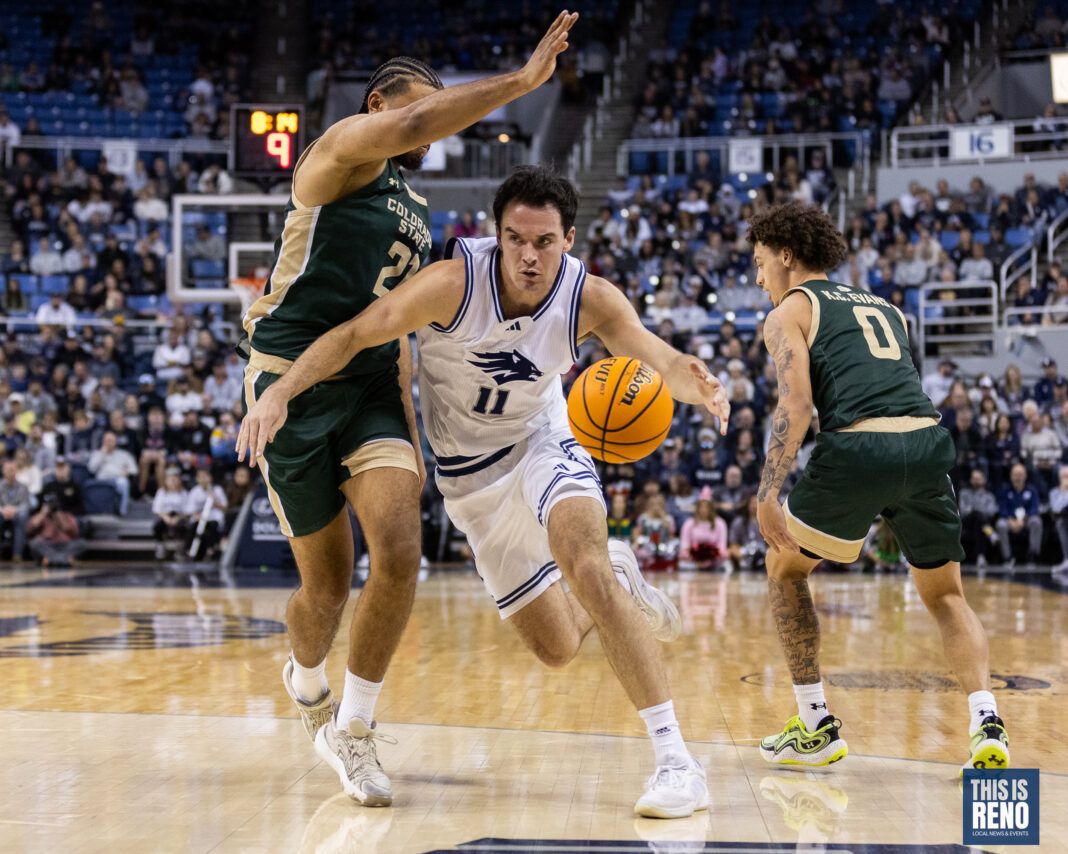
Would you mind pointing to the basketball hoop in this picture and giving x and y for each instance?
(248, 289)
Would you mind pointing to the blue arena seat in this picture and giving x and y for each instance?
(207, 267)
(1017, 237)
(27, 282)
(55, 284)
(101, 497)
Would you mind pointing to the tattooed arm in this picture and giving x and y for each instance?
(785, 333)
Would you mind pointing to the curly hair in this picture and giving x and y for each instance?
(806, 231)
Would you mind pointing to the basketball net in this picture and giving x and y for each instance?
(249, 288)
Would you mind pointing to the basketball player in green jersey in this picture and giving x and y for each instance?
(354, 230)
(880, 451)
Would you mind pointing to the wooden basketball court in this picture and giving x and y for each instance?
(153, 718)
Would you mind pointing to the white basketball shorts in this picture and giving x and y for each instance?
(504, 507)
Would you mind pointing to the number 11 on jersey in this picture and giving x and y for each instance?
(484, 395)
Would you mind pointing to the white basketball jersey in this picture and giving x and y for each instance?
(486, 383)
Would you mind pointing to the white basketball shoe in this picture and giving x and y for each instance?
(351, 752)
(659, 610)
(312, 715)
(677, 789)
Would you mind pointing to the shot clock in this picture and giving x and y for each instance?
(265, 139)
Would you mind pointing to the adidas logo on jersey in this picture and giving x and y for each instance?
(515, 327)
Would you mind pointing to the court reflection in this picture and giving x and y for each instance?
(811, 808)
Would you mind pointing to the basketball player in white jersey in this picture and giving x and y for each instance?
(497, 324)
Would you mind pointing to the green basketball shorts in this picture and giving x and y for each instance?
(854, 476)
(335, 430)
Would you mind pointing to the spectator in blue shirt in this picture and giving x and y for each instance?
(1044, 387)
(1017, 515)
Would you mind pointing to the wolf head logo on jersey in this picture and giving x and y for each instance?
(506, 367)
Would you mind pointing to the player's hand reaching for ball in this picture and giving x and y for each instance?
(261, 425)
(542, 62)
(713, 394)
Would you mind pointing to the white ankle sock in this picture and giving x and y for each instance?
(664, 732)
(811, 704)
(981, 704)
(358, 701)
(309, 682)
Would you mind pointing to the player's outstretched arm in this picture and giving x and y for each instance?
(608, 314)
(368, 138)
(432, 295)
(785, 337)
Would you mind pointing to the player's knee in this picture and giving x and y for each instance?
(556, 655)
(782, 566)
(397, 555)
(328, 595)
(592, 581)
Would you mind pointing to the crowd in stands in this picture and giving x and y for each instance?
(790, 68)
(463, 36)
(1047, 29)
(95, 69)
(93, 421)
(677, 247)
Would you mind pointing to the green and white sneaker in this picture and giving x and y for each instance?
(990, 746)
(795, 745)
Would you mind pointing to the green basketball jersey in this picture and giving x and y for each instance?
(332, 260)
(861, 366)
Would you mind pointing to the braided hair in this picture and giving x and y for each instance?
(395, 74)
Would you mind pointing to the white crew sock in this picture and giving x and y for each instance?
(358, 701)
(811, 704)
(981, 704)
(309, 682)
(664, 732)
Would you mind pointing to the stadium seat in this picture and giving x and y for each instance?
(1017, 237)
(208, 267)
(27, 282)
(79, 473)
(949, 240)
(101, 497)
(55, 284)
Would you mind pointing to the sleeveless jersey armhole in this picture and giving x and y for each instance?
(904, 322)
(575, 308)
(814, 301)
(450, 253)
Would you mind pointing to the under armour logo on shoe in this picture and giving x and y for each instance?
(997, 760)
(816, 706)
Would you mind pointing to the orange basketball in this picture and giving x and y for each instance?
(620, 410)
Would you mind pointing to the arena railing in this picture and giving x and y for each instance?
(1057, 314)
(931, 145)
(947, 317)
(1022, 262)
(847, 150)
(172, 149)
(27, 323)
(580, 157)
(1056, 234)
